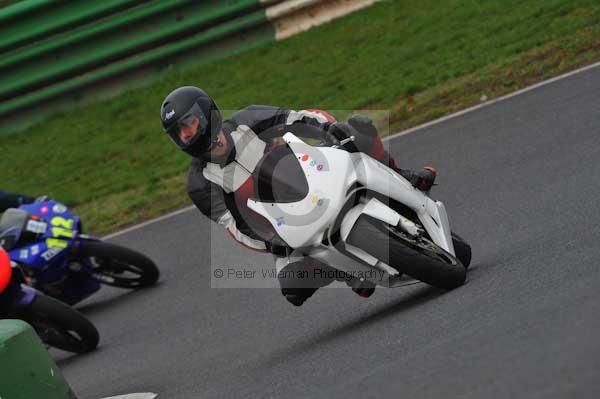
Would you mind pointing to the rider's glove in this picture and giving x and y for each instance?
(422, 179)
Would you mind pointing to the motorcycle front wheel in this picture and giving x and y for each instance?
(462, 250)
(418, 258)
(119, 266)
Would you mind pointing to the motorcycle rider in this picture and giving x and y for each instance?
(226, 152)
(13, 200)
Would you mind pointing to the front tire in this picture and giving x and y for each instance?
(61, 326)
(119, 266)
(418, 258)
(462, 250)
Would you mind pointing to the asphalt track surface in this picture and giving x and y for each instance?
(520, 181)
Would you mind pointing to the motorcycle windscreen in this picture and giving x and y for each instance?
(280, 178)
(11, 225)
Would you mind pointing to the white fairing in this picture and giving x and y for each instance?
(378, 177)
(330, 173)
(376, 209)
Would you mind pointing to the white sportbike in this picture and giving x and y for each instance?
(356, 215)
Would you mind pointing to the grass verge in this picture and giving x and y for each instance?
(110, 161)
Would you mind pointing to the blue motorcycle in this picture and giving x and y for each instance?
(46, 239)
(56, 323)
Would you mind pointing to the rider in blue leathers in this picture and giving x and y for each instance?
(13, 200)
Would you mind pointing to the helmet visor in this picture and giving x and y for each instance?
(189, 128)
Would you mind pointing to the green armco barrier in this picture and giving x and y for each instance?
(139, 60)
(103, 42)
(26, 370)
(48, 18)
(73, 45)
(21, 9)
(88, 32)
(54, 54)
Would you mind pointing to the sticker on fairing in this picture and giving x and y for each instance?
(51, 253)
(56, 243)
(59, 208)
(36, 226)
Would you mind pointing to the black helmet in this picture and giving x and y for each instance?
(191, 106)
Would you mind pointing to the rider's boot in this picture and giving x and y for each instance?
(421, 179)
(300, 280)
(297, 296)
(362, 288)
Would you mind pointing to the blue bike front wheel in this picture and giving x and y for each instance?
(119, 266)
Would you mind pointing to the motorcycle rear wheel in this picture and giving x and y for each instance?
(418, 258)
(61, 326)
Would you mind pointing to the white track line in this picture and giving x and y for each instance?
(393, 136)
(493, 101)
(146, 223)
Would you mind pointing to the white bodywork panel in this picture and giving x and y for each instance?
(330, 173)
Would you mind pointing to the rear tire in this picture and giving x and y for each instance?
(119, 266)
(418, 258)
(61, 326)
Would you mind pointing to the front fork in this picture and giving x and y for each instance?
(379, 178)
